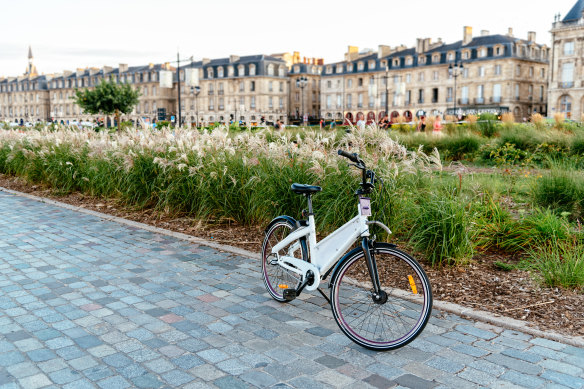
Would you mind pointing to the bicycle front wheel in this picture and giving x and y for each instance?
(392, 321)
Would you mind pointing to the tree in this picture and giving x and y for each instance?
(108, 98)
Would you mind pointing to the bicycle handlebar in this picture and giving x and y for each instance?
(351, 157)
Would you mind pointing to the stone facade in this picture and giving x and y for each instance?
(566, 88)
(500, 73)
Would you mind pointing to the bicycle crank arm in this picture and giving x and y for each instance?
(301, 268)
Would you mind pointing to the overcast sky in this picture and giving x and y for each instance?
(66, 34)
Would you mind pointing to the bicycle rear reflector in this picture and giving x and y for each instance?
(413, 285)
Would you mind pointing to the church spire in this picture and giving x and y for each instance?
(31, 70)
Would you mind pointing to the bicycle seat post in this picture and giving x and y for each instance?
(309, 198)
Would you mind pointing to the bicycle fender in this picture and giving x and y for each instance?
(280, 218)
(349, 255)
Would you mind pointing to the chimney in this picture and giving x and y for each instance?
(485, 33)
(79, 72)
(206, 61)
(383, 51)
(467, 36)
(107, 69)
(233, 58)
(510, 32)
(150, 65)
(531, 36)
(419, 46)
(123, 67)
(352, 53)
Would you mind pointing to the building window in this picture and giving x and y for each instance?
(420, 96)
(270, 70)
(211, 104)
(480, 94)
(359, 81)
(281, 87)
(371, 80)
(360, 66)
(421, 76)
(360, 102)
(497, 70)
(252, 103)
(483, 52)
(350, 67)
(339, 68)
(252, 86)
(230, 71)
(270, 86)
(210, 73)
(464, 95)
(542, 73)
(435, 75)
(270, 102)
(349, 83)
(221, 104)
(371, 65)
(349, 101)
(281, 103)
(516, 91)
(241, 86)
(252, 70)
(329, 84)
(518, 70)
(569, 48)
(220, 72)
(481, 71)
(408, 78)
(329, 102)
(566, 106)
(531, 71)
(568, 75)
(497, 93)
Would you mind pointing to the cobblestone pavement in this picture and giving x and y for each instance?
(93, 303)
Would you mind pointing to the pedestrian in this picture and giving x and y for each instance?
(277, 126)
(437, 125)
(321, 123)
(422, 124)
(361, 123)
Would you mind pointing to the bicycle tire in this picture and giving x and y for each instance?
(383, 325)
(276, 278)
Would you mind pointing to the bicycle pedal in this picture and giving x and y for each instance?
(289, 294)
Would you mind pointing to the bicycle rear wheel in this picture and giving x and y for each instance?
(399, 317)
(276, 278)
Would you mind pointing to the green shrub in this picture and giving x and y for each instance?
(441, 230)
(562, 191)
(487, 124)
(462, 146)
(560, 264)
(521, 137)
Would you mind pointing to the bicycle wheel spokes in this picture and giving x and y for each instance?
(275, 277)
(387, 324)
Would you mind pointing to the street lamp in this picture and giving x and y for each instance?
(386, 77)
(301, 83)
(195, 90)
(455, 69)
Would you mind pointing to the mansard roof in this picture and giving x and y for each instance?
(575, 13)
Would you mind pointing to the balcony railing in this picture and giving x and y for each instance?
(496, 99)
(463, 101)
(479, 100)
(568, 84)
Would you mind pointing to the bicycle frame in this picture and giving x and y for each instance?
(325, 253)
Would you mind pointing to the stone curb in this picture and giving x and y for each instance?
(471, 313)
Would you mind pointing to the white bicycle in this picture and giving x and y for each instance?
(380, 296)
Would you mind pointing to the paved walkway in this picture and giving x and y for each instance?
(93, 303)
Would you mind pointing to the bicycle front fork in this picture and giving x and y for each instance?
(379, 296)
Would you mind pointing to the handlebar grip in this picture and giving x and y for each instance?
(351, 157)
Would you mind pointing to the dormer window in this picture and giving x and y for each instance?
(339, 68)
(371, 65)
(360, 66)
(220, 72)
(241, 70)
(350, 67)
(270, 70)
(421, 60)
(396, 62)
(409, 60)
(210, 73)
(297, 69)
(252, 70)
(451, 56)
(483, 52)
(436, 58)
(281, 71)
(465, 54)
(230, 71)
(329, 69)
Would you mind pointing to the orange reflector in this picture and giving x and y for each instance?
(283, 286)
(413, 285)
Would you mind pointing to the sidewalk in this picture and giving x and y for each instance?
(86, 302)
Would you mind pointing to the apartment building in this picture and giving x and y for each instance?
(486, 73)
(566, 86)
